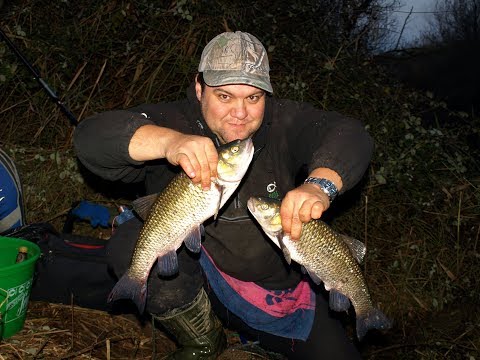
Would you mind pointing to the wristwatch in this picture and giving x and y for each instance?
(327, 186)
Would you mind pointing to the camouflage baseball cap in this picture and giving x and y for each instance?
(235, 58)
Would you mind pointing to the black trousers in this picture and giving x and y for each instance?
(327, 340)
(163, 294)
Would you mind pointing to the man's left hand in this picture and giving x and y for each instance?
(301, 205)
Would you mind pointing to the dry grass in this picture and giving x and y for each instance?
(421, 226)
(55, 331)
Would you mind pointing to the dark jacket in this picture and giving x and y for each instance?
(293, 137)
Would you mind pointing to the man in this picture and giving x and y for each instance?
(246, 280)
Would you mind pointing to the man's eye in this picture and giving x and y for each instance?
(223, 97)
(254, 98)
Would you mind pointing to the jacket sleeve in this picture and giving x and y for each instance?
(101, 144)
(331, 140)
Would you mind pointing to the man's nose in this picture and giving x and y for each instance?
(239, 110)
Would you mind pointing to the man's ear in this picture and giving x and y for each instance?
(198, 88)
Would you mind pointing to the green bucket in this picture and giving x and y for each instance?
(15, 284)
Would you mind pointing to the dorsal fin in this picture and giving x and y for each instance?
(143, 205)
(357, 248)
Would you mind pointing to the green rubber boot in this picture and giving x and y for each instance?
(198, 331)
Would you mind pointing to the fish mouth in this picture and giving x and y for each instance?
(247, 159)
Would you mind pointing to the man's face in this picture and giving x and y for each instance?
(232, 111)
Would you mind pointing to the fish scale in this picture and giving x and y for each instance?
(167, 230)
(175, 216)
(328, 257)
(332, 262)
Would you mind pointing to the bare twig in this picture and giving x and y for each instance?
(93, 89)
(403, 28)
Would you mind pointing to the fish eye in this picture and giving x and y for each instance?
(235, 149)
(264, 207)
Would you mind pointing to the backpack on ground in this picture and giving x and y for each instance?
(12, 213)
(72, 269)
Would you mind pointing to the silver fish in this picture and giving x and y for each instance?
(175, 216)
(326, 256)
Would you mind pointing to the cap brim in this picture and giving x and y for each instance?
(227, 77)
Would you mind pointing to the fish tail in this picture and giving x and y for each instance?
(374, 319)
(132, 288)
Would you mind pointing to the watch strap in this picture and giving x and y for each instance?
(327, 186)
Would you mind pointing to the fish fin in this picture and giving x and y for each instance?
(313, 276)
(167, 264)
(193, 241)
(338, 301)
(143, 205)
(221, 188)
(284, 249)
(374, 319)
(357, 248)
(131, 288)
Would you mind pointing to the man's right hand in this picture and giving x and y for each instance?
(197, 155)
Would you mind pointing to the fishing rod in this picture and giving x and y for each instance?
(39, 79)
